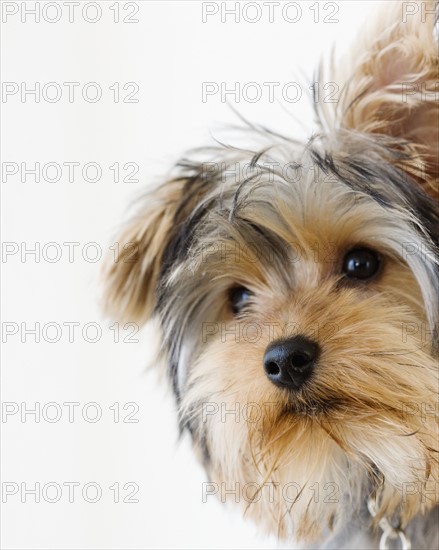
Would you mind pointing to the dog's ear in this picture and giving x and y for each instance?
(391, 85)
(132, 270)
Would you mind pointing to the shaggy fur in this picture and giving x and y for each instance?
(278, 221)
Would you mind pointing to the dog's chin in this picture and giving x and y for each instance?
(312, 458)
(312, 496)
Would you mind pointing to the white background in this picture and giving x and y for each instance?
(169, 53)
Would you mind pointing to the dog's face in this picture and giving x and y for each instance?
(296, 288)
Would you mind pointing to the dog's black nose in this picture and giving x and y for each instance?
(289, 363)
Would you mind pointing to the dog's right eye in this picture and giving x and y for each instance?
(238, 298)
(361, 263)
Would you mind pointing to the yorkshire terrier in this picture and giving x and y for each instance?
(296, 287)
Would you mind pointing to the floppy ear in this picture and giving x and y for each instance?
(391, 85)
(131, 274)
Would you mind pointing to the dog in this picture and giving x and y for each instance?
(296, 290)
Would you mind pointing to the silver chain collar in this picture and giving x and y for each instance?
(389, 532)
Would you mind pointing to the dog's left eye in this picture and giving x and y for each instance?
(238, 297)
(361, 263)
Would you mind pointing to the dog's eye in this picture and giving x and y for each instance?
(361, 263)
(238, 297)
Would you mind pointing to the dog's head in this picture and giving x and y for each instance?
(297, 289)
